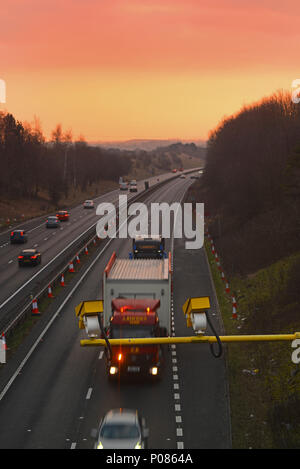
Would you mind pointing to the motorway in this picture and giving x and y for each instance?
(53, 392)
(17, 284)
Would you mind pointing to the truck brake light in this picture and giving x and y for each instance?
(120, 356)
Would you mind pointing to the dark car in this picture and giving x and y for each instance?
(52, 222)
(63, 215)
(121, 429)
(18, 236)
(29, 257)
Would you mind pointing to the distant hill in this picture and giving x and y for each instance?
(146, 145)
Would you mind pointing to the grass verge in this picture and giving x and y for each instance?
(264, 383)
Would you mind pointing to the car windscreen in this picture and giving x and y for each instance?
(119, 331)
(119, 431)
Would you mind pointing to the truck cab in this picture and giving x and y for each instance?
(148, 247)
(133, 318)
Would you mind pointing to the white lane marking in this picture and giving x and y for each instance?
(178, 419)
(89, 393)
(179, 432)
(49, 324)
(10, 261)
(180, 445)
(73, 445)
(177, 407)
(101, 355)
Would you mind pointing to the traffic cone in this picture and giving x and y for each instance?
(94, 241)
(71, 267)
(227, 289)
(62, 281)
(35, 309)
(234, 313)
(77, 259)
(213, 248)
(234, 302)
(86, 250)
(3, 349)
(50, 294)
(223, 275)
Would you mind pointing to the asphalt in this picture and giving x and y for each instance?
(61, 391)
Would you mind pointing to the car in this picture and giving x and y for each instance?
(174, 170)
(63, 215)
(195, 177)
(52, 222)
(182, 176)
(133, 186)
(88, 204)
(123, 186)
(29, 257)
(121, 429)
(18, 236)
(200, 171)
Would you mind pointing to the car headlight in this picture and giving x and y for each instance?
(154, 370)
(113, 370)
(100, 445)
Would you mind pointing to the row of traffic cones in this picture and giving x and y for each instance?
(35, 310)
(3, 349)
(227, 286)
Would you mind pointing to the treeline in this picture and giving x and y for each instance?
(30, 165)
(251, 184)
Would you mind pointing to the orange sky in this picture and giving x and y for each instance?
(120, 69)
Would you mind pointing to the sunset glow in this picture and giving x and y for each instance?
(121, 69)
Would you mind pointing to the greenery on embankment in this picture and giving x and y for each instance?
(251, 191)
(264, 383)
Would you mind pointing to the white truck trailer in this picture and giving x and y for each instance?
(138, 279)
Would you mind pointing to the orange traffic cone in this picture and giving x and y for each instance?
(227, 287)
(50, 294)
(62, 281)
(35, 309)
(234, 313)
(3, 349)
(77, 259)
(86, 250)
(71, 267)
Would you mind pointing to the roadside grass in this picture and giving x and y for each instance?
(17, 211)
(264, 384)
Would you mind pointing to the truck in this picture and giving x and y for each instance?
(130, 319)
(136, 303)
(148, 247)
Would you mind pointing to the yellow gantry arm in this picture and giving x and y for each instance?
(192, 340)
(194, 309)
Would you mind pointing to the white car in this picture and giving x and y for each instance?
(121, 429)
(88, 204)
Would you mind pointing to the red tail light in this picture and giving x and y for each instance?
(20, 257)
(12, 233)
(33, 257)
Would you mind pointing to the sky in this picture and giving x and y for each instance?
(150, 69)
